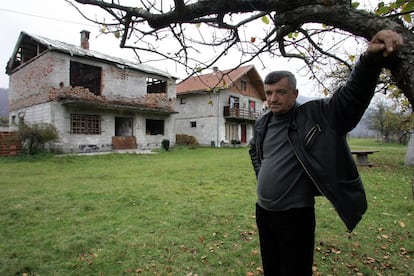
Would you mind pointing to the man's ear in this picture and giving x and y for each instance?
(296, 92)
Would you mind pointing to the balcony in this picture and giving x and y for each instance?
(240, 114)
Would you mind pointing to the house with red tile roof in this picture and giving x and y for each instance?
(220, 107)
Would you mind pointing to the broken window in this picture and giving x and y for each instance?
(156, 86)
(154, 127)
(87, 76)
(85, 124)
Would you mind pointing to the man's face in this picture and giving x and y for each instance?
(280, 96)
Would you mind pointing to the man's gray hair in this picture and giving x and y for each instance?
(276, 76)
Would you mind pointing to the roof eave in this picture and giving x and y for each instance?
(72, 50)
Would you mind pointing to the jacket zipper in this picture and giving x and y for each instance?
(311, 134)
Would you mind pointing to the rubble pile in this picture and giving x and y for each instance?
(155, 101)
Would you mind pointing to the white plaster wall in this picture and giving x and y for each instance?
(58, 115)
(196, 108)
(202, 109)
(31, 115)
(145, 141)
(123, 82)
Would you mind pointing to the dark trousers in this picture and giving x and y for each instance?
(286, 241)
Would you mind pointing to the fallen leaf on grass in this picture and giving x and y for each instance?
(369, 260)
(403, 251)
(402, 224)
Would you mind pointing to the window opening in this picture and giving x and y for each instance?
(123, 126)
(234, 102)
(156, 86)
(85, 124)
(154, 127)
(193, 124)
(87, 76)
(28, 49)
(252, 106)
(243, 85)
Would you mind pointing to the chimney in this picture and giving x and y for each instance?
(85, 39)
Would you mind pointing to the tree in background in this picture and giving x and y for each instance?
(324, 34)
(393, 125)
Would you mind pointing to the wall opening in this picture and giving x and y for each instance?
(156, 86)
(28, 49)
(124, 138)
(154, 127)
(123, 126)
(86, 75)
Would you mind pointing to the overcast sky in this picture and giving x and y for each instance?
(54, 19)
(57, 20)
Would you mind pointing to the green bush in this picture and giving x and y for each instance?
(35, 137)
(4, 121)
(165, 144)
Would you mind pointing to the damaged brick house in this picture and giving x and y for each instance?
(96, 102)
(220, 107)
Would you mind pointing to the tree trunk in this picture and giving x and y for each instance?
(409, 156)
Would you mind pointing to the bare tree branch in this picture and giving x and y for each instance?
(225, 24)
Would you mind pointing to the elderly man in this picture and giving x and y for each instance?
(299, 151)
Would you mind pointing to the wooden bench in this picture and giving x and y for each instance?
(362, 157)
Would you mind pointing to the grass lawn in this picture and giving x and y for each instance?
(184, 212)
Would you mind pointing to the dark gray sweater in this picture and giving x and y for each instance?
(282, 182)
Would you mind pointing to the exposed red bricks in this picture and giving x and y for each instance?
(9, 143)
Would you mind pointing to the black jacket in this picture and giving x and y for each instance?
(317, 135)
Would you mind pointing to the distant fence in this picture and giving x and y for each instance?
(9, 143)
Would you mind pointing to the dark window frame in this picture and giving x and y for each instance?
(155, 86)
(85, 75)
(154, 127)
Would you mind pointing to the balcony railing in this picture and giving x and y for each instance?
(240, 113)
